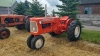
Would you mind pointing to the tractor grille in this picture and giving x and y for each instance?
(33, 27)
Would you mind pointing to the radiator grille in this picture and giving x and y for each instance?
(33, 27)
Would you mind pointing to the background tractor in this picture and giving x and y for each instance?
(9, 20)
(53, 26)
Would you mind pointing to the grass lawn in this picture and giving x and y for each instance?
(91, 35)
(87, 35)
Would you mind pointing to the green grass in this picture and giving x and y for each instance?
(90, 35)
(87, 35)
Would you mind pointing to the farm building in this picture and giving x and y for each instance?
(89, 12)
(89, 7)
(7, 6)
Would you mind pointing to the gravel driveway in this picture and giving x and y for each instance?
(91, 28)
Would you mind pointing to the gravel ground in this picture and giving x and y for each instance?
(15, 45)
(91, 28)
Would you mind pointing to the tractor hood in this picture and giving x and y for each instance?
(42, 20)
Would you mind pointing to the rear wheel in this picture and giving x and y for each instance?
(27, 25)
(74, 30)
(20, 27)
(37, 42)
(4, 33)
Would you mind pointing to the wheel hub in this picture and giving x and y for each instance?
(4, 34)
(39, 43)
(77, 31)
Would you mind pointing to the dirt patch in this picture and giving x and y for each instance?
(15, 45)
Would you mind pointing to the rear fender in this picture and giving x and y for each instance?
(68, 23)
(64, 18)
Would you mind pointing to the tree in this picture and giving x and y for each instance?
(27, 8)
(69, 8)
(20, 9)
(37, 9)
(27, 4)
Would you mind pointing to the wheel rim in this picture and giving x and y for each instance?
(77, 31)
(4, 34)
(39, 43)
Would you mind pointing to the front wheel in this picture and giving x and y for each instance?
(74, 30)
(29, 40)
(37, 42)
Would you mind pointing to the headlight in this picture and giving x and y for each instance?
(40, 22)
(34, 29)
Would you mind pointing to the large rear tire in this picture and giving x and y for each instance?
(4, 33)
(74, 30)
(27, 25)
(20, 27)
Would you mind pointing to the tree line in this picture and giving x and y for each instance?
(68, 7)
(27, 8)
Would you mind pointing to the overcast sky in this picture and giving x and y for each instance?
(51, 4)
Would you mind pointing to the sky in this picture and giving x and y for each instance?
(51, 4)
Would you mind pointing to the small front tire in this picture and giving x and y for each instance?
(37, 42)
(29, 40)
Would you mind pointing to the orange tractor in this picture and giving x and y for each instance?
(53, 26)
(11, 20)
